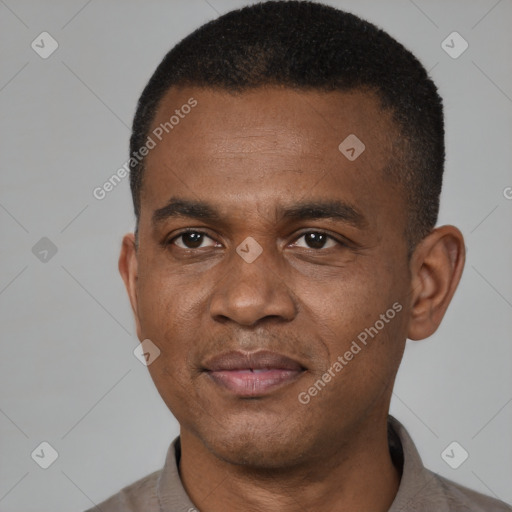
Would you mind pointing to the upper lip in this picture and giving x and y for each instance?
(263, 359)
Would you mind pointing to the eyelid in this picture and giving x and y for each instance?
(184, 231)
(338, 239)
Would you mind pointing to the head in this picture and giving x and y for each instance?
(338, 232)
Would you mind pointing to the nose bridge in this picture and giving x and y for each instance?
(252, 289)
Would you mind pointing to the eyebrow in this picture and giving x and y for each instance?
(304, 210)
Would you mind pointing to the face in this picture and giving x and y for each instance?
(264, 254)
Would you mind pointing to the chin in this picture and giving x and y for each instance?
(257, 446)
(257, 454)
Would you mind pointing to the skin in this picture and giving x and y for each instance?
(248, 156)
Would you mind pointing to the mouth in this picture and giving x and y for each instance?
(252, 374)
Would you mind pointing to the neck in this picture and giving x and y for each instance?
(358, 476)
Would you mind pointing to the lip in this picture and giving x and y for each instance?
(252, 374)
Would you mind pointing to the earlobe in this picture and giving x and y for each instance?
(436, 267)
(128, 268)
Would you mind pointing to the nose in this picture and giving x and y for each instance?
(247, 293)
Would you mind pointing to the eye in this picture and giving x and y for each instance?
(317, 240)
(192, 240)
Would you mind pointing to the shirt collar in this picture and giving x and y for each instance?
(415, 477)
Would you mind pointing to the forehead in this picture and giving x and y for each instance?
(221, 119)
(263, 144)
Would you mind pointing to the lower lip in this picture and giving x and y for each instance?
(256, 383)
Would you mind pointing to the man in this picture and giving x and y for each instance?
(287, 162)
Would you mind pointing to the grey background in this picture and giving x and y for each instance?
(68, 375)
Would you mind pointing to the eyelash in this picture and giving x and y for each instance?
(200, 232)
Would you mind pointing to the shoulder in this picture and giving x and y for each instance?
(455, 497)
(422, 490)
(138, 496)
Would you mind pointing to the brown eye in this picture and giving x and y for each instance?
(192, 240)
(317, 240)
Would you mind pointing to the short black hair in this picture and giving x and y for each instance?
(306, 45)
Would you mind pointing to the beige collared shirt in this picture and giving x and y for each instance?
(420, 490)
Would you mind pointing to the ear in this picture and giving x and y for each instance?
(436, 268)
(128, 268)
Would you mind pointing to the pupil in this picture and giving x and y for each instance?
(315, 240)
(192, 240)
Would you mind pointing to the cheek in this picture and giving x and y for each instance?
(168, 317)
(167, 311)
(350, 298)
(163, 292)
(360, 314)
